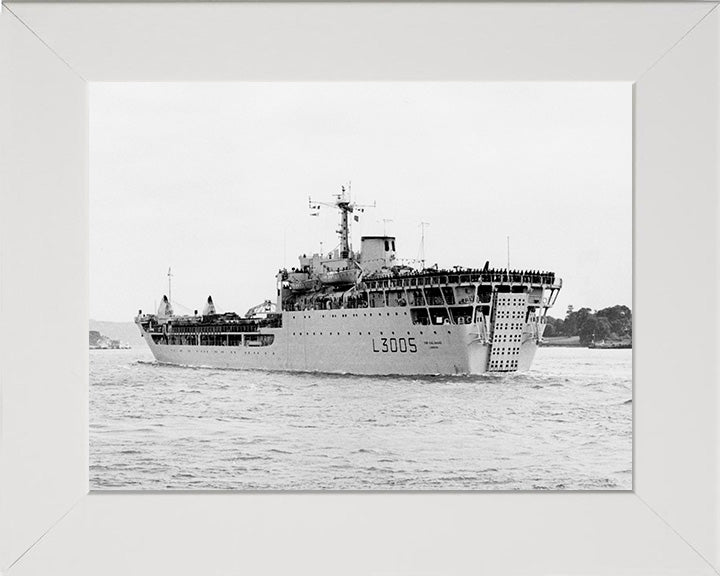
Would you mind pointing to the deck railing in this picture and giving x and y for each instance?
(442, 277)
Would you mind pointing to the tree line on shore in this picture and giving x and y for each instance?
(613, 323)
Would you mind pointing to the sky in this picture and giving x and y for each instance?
(213, 179)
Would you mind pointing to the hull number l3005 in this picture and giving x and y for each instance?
(402, 345)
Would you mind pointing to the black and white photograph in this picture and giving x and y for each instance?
(360, 286)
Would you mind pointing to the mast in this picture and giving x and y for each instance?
(345, 206)
(423, 225)
(385, 222)
(169, 275)
(508, 251)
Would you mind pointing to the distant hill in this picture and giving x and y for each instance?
(126, 332)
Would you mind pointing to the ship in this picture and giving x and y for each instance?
(367, 312)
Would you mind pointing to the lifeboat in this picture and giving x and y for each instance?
(339, 276)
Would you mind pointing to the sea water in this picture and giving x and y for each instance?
(565, 425)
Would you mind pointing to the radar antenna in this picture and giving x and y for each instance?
(345, 206)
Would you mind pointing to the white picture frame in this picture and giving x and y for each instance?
(49, 522)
